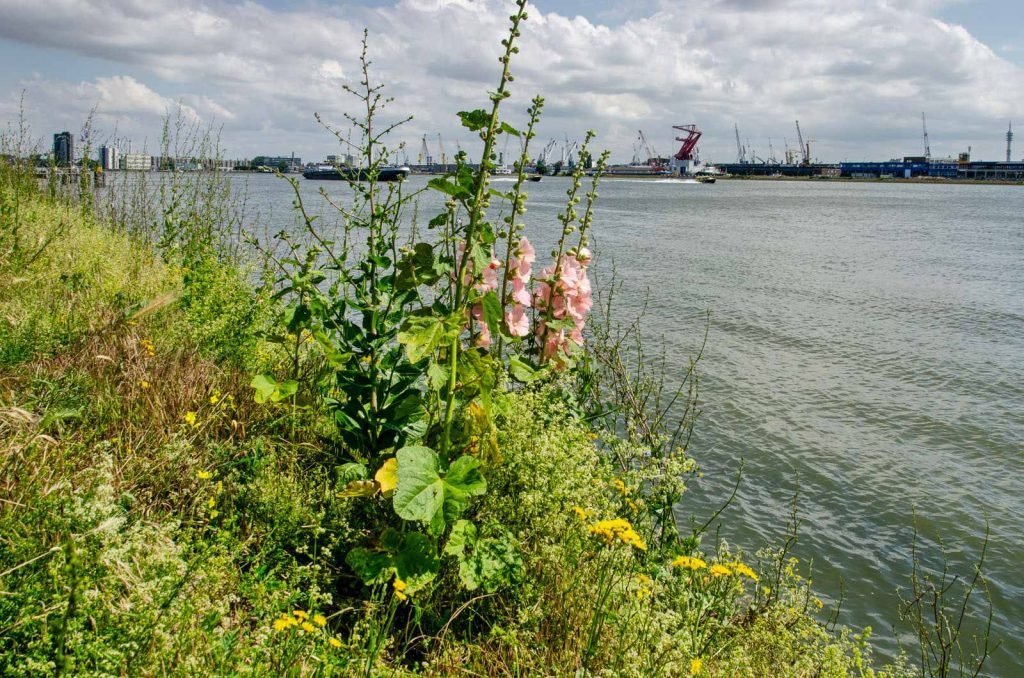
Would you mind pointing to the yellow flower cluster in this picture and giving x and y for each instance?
(644, 589)
(148, 347)
(620, 487)
(190, 419)
(581, 512)
(301, 620)
(617, 529)
(686, 562)
(695, 666)
(400, 586)
(719, 570)
(740, 568)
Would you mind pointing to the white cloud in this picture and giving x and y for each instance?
(856, 74)
(330, 69)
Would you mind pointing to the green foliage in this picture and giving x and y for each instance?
(269, 389)
(427, 496)
(80, 282)
(487, 562)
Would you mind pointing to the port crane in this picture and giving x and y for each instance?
(425, 158)
(805, 149)
(440, 151)
(927, 146)
(688, 150)
(741, 153)
(652, 156)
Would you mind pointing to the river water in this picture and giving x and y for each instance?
(865, 349)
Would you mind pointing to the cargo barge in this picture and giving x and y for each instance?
(343, 173)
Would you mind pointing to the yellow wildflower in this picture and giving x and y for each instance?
(696, 665)
(320, 620)
(689, 563)
(400, 587)
(620, 486)
(307, 627)
(214, 399)
(581, 512)
(214, 514)
(190, 419)
(144, 384)
(740, 568)
(719, 570)
(301, 614)
(617, 529)
(204, 475)
(644, 590)
(283, 622)
(210, 503)
(334, 642)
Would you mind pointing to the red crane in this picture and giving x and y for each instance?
(689, 141)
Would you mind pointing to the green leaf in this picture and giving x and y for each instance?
(420, 492)
(437, 376)
(373, 567)
(351, 471)
(269, 389)
(455, 190)
(418, 267)
(525, 371)
(462, 537)
(421, 335)
(416, 562)
(492, 312)
(509, 129)
(475, 120)
(425, 496)
(489, 562)
(463, 481)
(334, 356)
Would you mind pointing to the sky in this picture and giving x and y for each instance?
(857, 74)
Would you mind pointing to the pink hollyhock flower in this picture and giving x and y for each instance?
(517, 320)
(570, 296)
(520, 292)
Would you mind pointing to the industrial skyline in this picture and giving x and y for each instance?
(857, 75)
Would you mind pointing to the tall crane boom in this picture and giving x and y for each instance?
(1009, 140)
(741, 156)
(804, 150)
(425, 158)
(686, 151)
(927, 146)
(651, 155)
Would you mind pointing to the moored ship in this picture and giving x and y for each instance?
(345, 173)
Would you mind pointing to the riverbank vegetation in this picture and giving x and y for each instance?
(362, 452)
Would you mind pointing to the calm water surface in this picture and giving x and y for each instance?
(866, 347)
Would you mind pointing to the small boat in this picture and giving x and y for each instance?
(344, 173)
(535, 177)
(705, 179)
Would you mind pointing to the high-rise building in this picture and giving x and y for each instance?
(109, 158)
(64, 148)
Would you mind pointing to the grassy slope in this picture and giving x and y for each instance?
(154, 520)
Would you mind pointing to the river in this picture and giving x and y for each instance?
(865, 349)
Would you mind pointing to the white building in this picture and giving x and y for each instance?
(137, 162)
